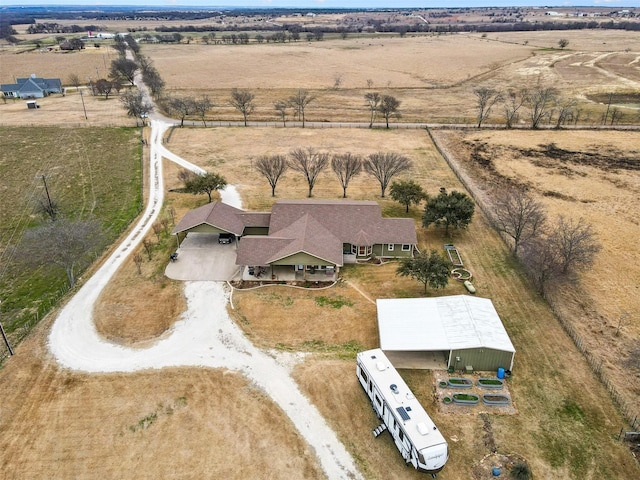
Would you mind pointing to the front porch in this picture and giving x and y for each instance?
(287, 273)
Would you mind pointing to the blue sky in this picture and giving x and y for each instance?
(333, 3)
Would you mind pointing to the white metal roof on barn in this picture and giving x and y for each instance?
(443, 323)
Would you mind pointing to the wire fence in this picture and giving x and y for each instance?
(629, 411)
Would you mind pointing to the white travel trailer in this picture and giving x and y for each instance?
(417, 438)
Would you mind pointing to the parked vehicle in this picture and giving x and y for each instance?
(417, 438)
(225, 238)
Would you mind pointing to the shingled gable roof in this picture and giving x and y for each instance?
(217, 214)
(351, 221)
(310, 237)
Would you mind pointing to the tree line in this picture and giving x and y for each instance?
(538, 106)
(541, 105)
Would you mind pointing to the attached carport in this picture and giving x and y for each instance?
(213, 218)
(456, 331)
(200, 255)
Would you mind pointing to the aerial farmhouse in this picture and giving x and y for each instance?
(305, 239)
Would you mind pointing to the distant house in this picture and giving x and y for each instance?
(31, 87)
(303, 237)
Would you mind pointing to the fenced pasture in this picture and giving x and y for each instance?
(589, 175)
(432, 75)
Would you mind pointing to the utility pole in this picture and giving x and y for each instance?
(50, 203)
(6, 340)
(83, 107)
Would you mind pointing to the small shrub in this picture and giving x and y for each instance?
(521, 471)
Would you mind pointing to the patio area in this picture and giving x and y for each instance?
(287, 273)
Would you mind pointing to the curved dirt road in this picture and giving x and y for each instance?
(205, 335)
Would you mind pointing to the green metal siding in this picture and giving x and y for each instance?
(483, 359)
(301, 259)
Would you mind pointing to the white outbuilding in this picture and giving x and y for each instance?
(458, 331)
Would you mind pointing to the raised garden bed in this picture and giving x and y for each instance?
(453, 254)
(465, 398)
(495, 399)
(461, 274)
(457, 382)
(491, 383)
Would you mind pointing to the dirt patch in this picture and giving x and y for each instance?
(483, 470)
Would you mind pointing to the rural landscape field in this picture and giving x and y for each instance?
(576, 376)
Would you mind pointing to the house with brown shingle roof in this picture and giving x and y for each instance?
(306, 237)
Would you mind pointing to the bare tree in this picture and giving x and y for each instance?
(518, 215)
(299, 102)
(172, 213)
(137, 259)
(202, 105)
(157, 230)
(74, 80)
(541, 102)
(181, 107)
(123, 68)
(136, 105)
(273, 167)
(152, 79)
(563, 43)
(513, 101)
(346, 166)
(541, 261)
(605, 116)
(565, 110)
(576, 243)
(281, 108)
(373, 102)
(616, 115)
(242, 100)
(310, 163)
(389, 106)
(386, 165)
(66, 243)
(486, 99)
(148, 247)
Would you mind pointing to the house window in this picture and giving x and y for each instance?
(390, 247)
(364, 250)
(406, 247)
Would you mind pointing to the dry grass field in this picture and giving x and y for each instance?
(597, 179)
(433, 76)
(177, 423)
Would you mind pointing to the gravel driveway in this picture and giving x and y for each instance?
(205, 336)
